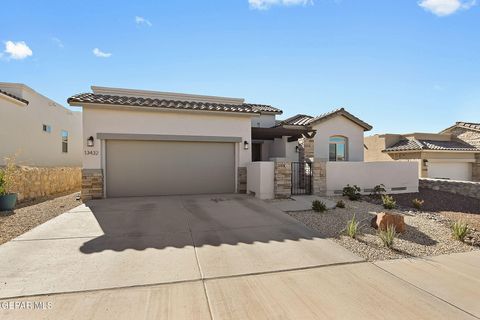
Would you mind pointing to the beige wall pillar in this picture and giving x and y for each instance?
(319, 170)
(282, 185)
(92, 184)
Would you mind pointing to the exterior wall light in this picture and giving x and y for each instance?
(90, 142)
(245, 145)
(297, 149)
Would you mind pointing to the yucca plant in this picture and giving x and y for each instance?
(459, 230)
(417, 203)
(319, 206)
(388, 235)
(352, 227)
(388, 202)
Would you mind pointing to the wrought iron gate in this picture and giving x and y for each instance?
(301, 178)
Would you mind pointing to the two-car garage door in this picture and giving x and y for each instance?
(450, 170)
(150, 168)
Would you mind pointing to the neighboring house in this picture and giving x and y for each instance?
(39, 131)
(441, 155)
(147, 143)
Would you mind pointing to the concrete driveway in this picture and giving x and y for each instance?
(216, 257)
(142, 241)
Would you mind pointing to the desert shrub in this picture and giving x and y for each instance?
(319, 206)
(417, 203)
(388, 202)
(459, 230)
(340, 204)
(352, 227)
(9, 177)
(378, 191)
(388, 235)
(352, 192)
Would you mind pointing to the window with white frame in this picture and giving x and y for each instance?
(64, 141)
(338, 148)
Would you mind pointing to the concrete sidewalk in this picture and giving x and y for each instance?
(349, 291)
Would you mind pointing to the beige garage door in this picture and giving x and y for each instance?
(150, 168)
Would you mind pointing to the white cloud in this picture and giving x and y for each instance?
(443, 8)
(99, 53)
(266, 4)
(142, 21)
(17, 50)
(58, 42)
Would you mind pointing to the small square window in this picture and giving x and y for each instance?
(46, 128)
(64, 141)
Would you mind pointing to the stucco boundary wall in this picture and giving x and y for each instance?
(36, 182)
(397, 176)
(465, 188)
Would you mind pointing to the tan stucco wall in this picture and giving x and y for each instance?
(136, 121)
(373, 149)
(340, 126)
(21, 130)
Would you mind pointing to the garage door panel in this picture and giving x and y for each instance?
(148, 168)
(450, 170)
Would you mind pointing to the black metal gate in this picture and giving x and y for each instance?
(301, 178)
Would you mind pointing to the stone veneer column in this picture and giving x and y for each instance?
(319, 171)
(476, 168)
(242, 180)
(92, 184)
(307, 149)
(282, 185)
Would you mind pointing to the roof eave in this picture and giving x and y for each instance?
(157, 109)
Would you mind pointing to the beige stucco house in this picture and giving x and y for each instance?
(444, 155)
(38, 130)
(147, 143)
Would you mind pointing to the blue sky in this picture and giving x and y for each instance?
(402, 65)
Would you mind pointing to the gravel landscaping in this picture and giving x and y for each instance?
(29, 215)
(427, 233)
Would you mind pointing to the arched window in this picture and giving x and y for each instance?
(338, 148)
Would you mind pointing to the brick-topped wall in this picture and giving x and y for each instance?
(466, 188)
(92, 184)
(36, 182)
(282, 186)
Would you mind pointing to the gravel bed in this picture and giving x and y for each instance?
(439, 201)
(427, 233)
(30, 215)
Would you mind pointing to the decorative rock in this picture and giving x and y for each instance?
(382, 220)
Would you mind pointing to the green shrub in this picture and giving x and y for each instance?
(353, 193)
(319, 206)
(340, 204)
(388, 202)
(388, 236)
(2, 183)
(352, 227)
(378, 190)
(459, 230)
(417, 203)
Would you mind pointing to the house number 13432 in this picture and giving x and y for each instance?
(91, 153)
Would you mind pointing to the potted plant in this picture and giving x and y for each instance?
(8, 182)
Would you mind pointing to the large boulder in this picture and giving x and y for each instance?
(382, 220)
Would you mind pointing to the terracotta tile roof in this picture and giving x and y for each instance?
(469, 125)
(417, 144)
(14, 97)
(297, 120)
(305, 120)
(344, 113)
(92, 98)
